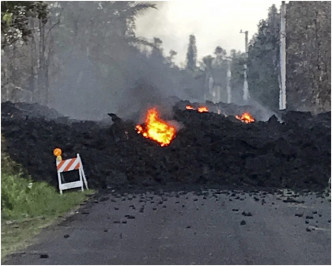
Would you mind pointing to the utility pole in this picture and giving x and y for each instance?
(246, 40)
(228, 84)
(282, 84)
(245, 83)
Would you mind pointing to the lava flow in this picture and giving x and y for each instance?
(246, 118)
(156, 129)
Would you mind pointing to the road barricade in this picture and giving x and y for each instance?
(71, 165)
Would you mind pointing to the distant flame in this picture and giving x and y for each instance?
(200, 109)
(246, 118)
(156, 129)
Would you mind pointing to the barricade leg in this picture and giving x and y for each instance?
(80, 174)
(59, 180)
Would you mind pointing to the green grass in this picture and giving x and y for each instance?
(27, 206)
(22, 198)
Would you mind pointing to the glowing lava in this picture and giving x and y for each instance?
(189, 107)
(246, 118)
(200, 109)
(156, 129)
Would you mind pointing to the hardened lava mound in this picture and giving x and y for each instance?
(209, 148)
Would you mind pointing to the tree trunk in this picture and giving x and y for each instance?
(42, 73)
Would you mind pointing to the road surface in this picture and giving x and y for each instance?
(210, 226)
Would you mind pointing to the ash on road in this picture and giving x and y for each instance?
(211, 226)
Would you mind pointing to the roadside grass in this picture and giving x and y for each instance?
(28, 206)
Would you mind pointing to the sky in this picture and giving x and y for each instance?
(214, 23)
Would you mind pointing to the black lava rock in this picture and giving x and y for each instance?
(293, 200)
(294, 154)
(103, 198)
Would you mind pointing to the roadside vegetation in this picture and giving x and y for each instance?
(27, 206)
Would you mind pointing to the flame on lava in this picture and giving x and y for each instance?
(156, 129)
(202, 109)
(189, 107)
(246, 118)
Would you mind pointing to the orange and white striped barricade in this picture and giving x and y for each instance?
(70, 165)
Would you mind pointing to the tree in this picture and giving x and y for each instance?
(171, 56)
(15, 19)
(308, 50)
(25, 52)
(308, 33)
(87, 61)
(238, 59)
(35, 45)
(219, 67)
(263, 61)
(191, 54)
(96, 53)
(157, 50)
(219, 52)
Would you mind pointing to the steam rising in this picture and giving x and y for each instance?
(117, 78)
(141, 82)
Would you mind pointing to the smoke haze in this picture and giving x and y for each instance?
(214, 23)
(95, 68)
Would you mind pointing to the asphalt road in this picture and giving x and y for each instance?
(208, 227)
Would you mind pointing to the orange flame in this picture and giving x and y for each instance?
(189, 107)
(246, 118)
(202, 109)
(156, 129)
